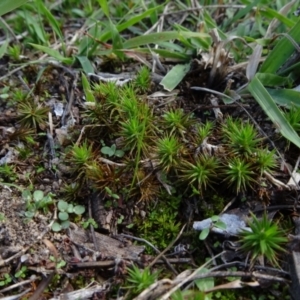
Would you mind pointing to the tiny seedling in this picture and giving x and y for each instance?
(5, 280)
(65, 209)
(21, 273)
(59, 263)
(36, 201)
(14, 52)
(7, 173)
(88, 222)
(216, 222)
(111, 194)
(112, 151)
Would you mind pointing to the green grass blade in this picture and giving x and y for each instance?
(273, 80)
(285, 97)
(3, 48)
(54, 53)
(117, 40)
(89, 96)
(243, 12)
(282, 51)
(267, 103)
(271, 13)
(132, 21)
(8, 5)
(85, 64)
(155, 38)
(104, 6)
(50, 18)
(137, 18)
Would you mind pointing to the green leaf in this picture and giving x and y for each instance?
(70, 209)
(116, 40)
(38, 195)
(282, 51)
(155, 38)
(62, 205)
(108, 151)
(242, 12)
(54, 53)
(268, 79)
(79, 209)
(89, 96)
(50, 18)
(285, 97)
(123, 26)
(3, 48)
(267, 103)
(119, 153)
(8, 5)
(26, 195)
(205, 283)
(220, 225)
(175, 76)
(63, 216)
(85, 64)
(104, 7)
(215, 218)
(29, 214)
(204, 233)
(65, 224)
(56, 227)
(271, 13)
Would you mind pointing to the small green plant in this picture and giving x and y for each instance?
(36, 201)
(80, 157)
(14, 52)
(7, 173)
(90, 221)
(177, 122)
(140, 279)
(134, 133)
(242, 137)
(200, 173)
(108, 91)
(33, 115)
(265, 161)
(18, 96)
(112, 151)
(65, 209)
(204, 130)
(169, 152)
(60, 263)
(265, 240)
(142, 80)
(6, 279)
(21, 273)
(215, 222)
(239, 174)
